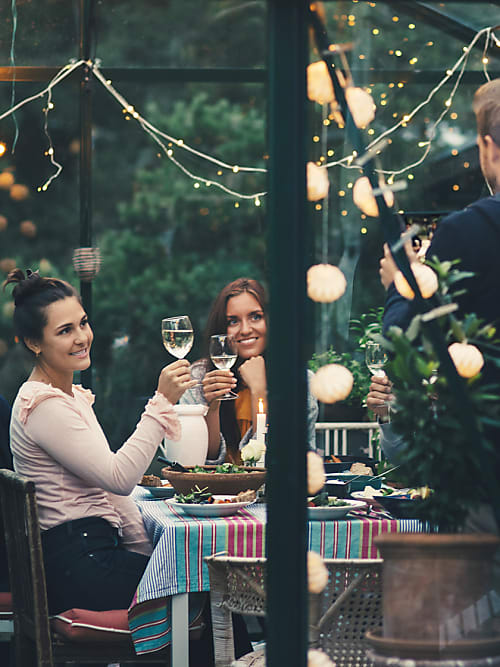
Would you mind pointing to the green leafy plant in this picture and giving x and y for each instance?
(368, 325)
(439, 452)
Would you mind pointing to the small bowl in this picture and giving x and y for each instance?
(222, 483)
(400, 507)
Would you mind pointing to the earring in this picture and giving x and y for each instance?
(37, 354)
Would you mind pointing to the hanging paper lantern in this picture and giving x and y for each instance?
(28, 228)
(19, 192)
(325, 283)
(426, 278)
(315, 473)
(317, 658)
(332, 383)
(317, 182)
(87, 262)
(3, 223)
(361, 106)
(467, 358)
(6, 180)
(319, 83)
(7, 265)
(317, 573)
(362, 195)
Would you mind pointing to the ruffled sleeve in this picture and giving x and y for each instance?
(160, 409)
(33, 393)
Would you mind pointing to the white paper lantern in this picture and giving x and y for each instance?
(467, 358)
(317, 658)
(332, 383)
(362, 195)
(317, 573)
(426, 278)
(316, 478)
(361, 106)
(325, 283)
(317, 182)
(319, 83)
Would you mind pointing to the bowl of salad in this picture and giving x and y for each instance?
(225, 479)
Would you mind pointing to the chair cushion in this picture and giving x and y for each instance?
(5, 605)
(84, 625)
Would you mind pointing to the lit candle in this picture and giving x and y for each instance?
(260, 434)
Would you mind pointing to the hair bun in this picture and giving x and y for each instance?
(24, 284)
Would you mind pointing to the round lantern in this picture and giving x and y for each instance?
(317, 182)
(332, 383)
(87, 262)
(317, 574)
(3, 223)
(315, 473)
(28, 228)
(19, 192)
(319, 83)
(363, 197)
(6, 180)
(325, 283)
(361, 106)
(7, 264)
(426, 278)
(467, 358)
(45, 266)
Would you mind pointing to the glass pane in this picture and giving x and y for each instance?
(186, 33)
(39, 33)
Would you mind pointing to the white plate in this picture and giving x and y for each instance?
(211, 509)
(322, 513)
(166, 490)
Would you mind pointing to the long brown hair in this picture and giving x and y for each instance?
(217, 324)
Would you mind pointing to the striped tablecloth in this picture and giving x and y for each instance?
(181, 543)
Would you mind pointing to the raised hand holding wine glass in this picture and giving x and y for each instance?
(223, 352)
(177, 334)
(375, 358)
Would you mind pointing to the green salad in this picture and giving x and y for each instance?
(224, 467)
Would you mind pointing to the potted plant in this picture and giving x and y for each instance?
(447, 575)
(353, 408)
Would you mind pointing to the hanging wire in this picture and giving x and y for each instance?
(13, 65)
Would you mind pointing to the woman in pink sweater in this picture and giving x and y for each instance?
(94, 542)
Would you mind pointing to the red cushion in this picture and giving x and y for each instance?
(5, 604)
(83, 625)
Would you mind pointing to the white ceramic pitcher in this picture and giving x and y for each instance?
(192, 448)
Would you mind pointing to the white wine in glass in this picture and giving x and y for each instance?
(375, 358)
(177, 335)
(223, 355)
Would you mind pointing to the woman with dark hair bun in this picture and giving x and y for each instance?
(240, 310)
(94, 542)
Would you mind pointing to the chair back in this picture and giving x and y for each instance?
(26, 569)
(339, 617)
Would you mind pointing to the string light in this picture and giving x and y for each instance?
(3, 148)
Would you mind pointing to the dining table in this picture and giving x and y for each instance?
(162, 608)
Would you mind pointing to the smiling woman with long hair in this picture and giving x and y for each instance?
(240, 311)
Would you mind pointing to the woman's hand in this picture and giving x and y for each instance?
(215, 384)
(175, 379)
(253, 374)
(380, 395)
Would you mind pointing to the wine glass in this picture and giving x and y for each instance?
(375, 358)
(177, 335)
(223, 354)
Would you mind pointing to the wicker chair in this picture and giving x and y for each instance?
(36, 643)
(339, 617)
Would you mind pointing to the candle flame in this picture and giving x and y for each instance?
(261, 406)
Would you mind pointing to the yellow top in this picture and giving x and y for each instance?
(243, 407)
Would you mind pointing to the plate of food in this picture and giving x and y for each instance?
(404, 503)
(225, 479)
(204, 504)
(323, 507)
(159, 488)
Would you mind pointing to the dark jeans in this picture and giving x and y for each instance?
(87, 567)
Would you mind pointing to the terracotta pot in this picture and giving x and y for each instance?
(437, 596)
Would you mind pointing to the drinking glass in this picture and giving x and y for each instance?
(177, 335)
(375, 358)
(223, 354)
